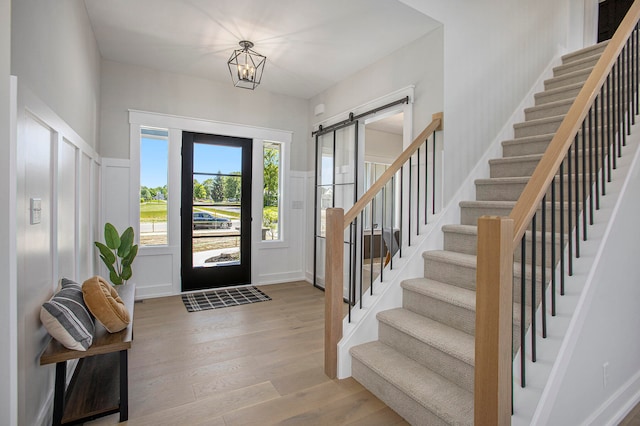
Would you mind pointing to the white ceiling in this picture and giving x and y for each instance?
(310, 45)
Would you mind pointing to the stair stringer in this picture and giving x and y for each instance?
(536, 403)
(363, 327)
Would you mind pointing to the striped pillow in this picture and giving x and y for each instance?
(67, 318)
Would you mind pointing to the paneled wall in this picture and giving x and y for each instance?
(59, 170)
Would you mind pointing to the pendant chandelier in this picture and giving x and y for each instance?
(246, 66)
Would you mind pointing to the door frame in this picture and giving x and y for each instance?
(168, 257)
(228, 275)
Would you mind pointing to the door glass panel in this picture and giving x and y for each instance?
(217, 183)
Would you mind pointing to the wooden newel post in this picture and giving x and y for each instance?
(494, 317)
(333, 285)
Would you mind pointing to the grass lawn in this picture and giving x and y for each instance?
(153, 211)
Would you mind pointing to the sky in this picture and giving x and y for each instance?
(154, 157)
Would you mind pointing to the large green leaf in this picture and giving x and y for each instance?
(111, 236)
(126, 272)
(107, 255)
(126, 242)
(128, 260)
(115, 278)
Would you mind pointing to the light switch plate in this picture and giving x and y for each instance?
(36, 211)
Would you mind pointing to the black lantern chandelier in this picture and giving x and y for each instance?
(246, 66)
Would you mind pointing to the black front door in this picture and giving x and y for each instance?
(216, 211)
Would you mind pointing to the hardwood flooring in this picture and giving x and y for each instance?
(258, 364)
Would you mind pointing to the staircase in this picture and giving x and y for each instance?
(422, 366)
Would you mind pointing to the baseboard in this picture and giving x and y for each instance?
(616, 408)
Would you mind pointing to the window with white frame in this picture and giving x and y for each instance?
(272, 191)
(154, 164)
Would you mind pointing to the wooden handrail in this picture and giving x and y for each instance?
(435, 125)
(542, 177)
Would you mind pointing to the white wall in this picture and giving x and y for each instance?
(381, 147)
(127, 87)
(55, 54)
(494, 51)
(56, 60)
(418, 64)
(8, 351)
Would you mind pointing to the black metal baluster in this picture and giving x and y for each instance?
(594, 156)
(352, 288)
(569, 210)
(523, 292)
(620, 95)
(373, 209)
(426, 180)
(553, 247)
(393, 214)
(628, 89)
(410, 195)
(602, 144)
(401, 243)
(382, 245)
(610, 134)
(590, 157)
(361, 254)
(433, 177)
(562, 229)
(577, 188)
(543, 254)
(418, 192)
(584, 183)
(533, 285)
(636, 68)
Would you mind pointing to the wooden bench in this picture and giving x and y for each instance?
(99, 385)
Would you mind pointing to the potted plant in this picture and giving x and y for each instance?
(118, 253)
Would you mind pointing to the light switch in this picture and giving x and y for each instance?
(36, 210)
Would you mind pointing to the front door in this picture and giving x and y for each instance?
(216, 211)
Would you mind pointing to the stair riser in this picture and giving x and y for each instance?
(512, 191)
(525, 166)
(469, 215)
(527, 147)
(549, 110)
(401, 403)
(454, 274)
(453, 369)
(533, 128)
(570, 92)
(467, 244)
(575, 66)
(454, 316)
(560, 95)
(466, 277)
(566, 80)
(595, 50)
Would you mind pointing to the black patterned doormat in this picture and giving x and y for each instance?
(215, 299)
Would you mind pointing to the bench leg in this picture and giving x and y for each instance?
(59, 390)
(124, 386)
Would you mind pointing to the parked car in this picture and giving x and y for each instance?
(207, 220)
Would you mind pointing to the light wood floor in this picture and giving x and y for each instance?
(257, 364)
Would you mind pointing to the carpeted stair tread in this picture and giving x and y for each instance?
(456, 296)
(586, 62)
(442, 337)
(578, 76)
(446, 400)
(569, 91)
(461, 259)
(529, 145)
(595, 49)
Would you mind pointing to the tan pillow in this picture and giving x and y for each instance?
(104, 303)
